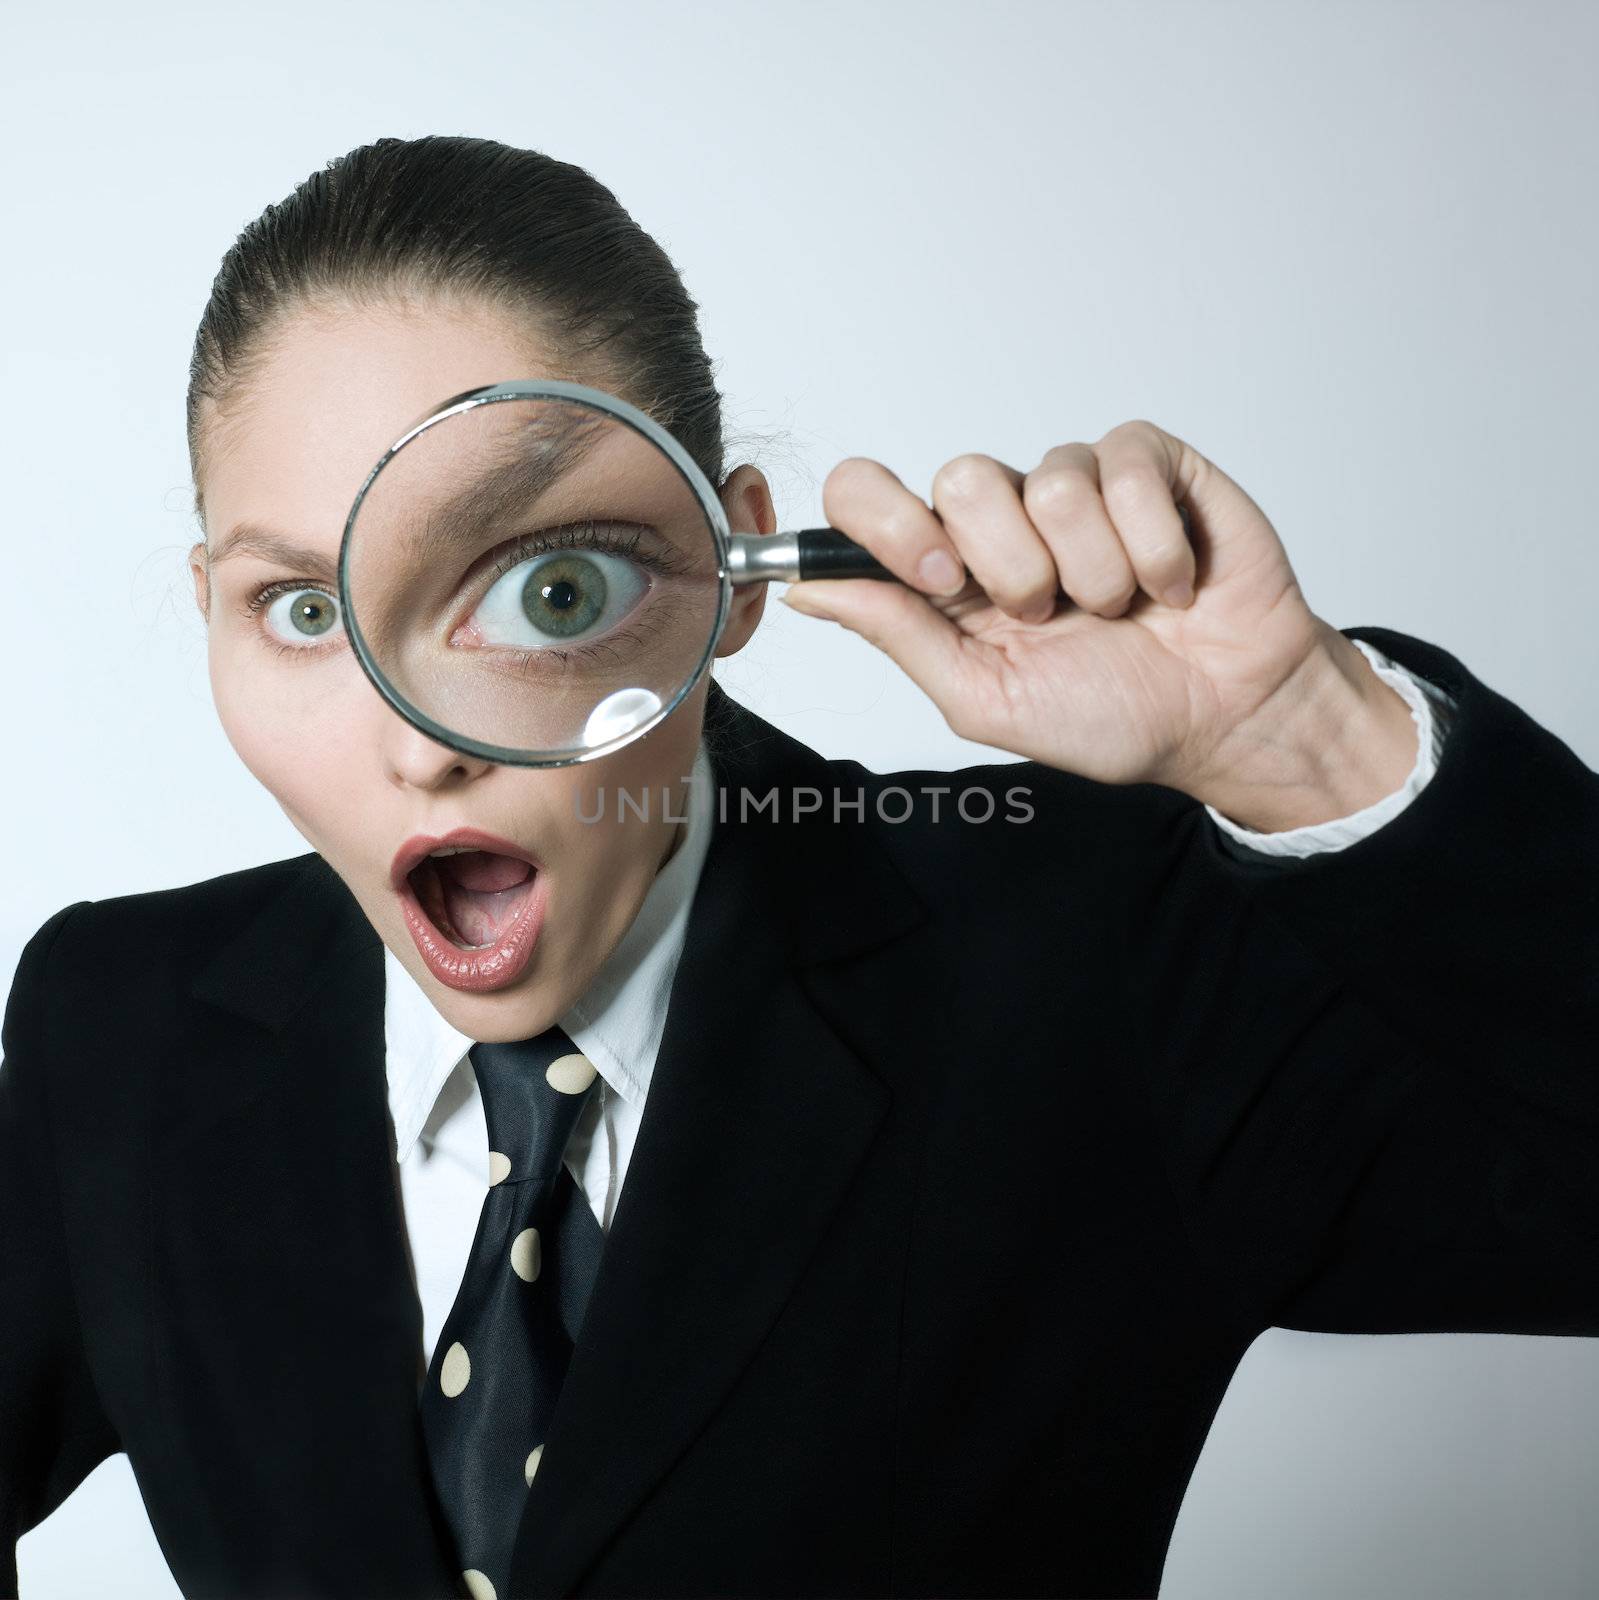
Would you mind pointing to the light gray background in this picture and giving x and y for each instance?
(1347, 251)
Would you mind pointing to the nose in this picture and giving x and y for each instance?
(415, 761)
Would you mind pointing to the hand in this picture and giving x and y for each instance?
(1080, 625)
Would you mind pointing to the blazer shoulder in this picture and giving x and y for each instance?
(1004, 816)
(146, 943)
(989, 814)
(103, 1003)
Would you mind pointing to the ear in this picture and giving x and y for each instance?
(747, 499)
(202, 582)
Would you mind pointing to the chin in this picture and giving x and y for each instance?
(535, 1000)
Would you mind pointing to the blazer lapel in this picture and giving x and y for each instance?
(759, 1114)
(290, 1326)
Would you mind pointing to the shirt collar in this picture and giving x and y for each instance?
(617, 1022)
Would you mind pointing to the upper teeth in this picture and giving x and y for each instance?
(453, 850)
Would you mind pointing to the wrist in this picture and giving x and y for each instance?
(1330, 741)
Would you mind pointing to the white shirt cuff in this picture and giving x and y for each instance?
(1430, 711)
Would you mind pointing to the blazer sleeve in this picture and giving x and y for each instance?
(53, 1430)
(1374, 1073)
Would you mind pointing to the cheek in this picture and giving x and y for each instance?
(299, 727)
(648, 772)
(610, 850)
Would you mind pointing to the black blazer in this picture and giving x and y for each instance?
(975, 1157)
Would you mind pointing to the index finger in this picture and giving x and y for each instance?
(863, 499)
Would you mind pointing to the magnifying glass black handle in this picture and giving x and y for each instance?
(827, 553)
(806, 553)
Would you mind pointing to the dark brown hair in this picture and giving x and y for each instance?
(468, 217)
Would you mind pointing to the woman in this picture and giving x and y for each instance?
(966, 1149)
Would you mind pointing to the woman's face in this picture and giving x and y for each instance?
(357, 781)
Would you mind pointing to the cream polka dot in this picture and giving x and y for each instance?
(478, 1585)
(499, 1167)
(455, 1369)
(525, 1254)
(532, 1464)
(570, 1074)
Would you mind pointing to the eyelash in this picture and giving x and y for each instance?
(587, 536)
(608, 537)
(262, 598)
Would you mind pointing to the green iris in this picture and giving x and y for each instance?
(313, 613)
(563, 596)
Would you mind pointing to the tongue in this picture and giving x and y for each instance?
(483, 871)
(482, 891)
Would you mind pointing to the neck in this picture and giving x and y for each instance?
(678, 834)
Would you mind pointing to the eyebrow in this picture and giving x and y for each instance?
(249, 539)
(521, 479)
(543, 453)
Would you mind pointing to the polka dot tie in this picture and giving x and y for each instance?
(503, 1351)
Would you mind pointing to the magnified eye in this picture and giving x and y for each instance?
(559, 597)
(303, 616)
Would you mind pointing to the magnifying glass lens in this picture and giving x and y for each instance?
(530, 577)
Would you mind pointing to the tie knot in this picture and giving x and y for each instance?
(534, 1090)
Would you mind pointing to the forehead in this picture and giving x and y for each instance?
(337, 388)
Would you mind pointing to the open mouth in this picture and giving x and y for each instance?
(474, 905)
(473, 897)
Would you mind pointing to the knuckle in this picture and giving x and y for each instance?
(964, 477)
(1129, 486)
(848, 475)
(1140, 429)
(1054, 493)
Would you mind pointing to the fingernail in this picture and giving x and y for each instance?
(939, 571)
(1179, 595)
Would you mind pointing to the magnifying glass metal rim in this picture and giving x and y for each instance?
(526, 389)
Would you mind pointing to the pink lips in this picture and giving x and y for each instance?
(492, 966)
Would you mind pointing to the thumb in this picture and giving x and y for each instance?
(902, 623)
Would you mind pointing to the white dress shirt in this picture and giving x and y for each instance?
(441, 1146)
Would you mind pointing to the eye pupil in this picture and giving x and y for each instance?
(560, 595)
(312, 614)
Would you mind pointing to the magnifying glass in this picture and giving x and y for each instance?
(537, 573)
